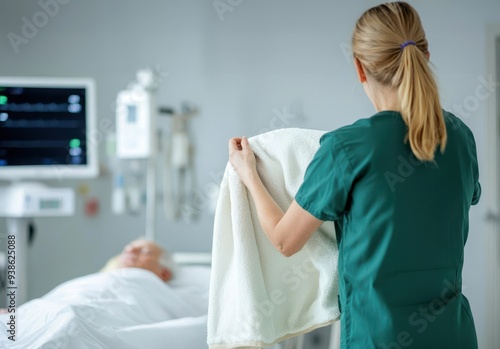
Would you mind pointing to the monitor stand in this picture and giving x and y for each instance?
(19, 203)
(17, 247)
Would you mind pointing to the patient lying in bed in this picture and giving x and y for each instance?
(145, 254)
(140, 253)
(136, 301)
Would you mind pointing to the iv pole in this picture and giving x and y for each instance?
(151, 197)
(137, 135)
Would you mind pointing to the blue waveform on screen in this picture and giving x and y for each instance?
(35, 107)
(40, 123)
(37, 143)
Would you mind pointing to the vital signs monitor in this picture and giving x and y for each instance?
(46, 127)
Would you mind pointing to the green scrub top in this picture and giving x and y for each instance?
(401, 227)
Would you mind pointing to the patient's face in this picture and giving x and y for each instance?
(146, 255)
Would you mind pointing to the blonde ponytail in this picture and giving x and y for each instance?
(390, 43)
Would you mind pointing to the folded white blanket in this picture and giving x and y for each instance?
(257, 296)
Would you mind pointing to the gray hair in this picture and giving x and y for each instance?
(165, 259)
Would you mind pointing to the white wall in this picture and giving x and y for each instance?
(263, 56)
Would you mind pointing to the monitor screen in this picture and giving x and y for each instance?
(45, 126)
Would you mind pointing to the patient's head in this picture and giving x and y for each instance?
(147, 255)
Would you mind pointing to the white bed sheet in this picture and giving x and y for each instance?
(124, 308)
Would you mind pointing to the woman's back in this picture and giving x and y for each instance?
(402, 236)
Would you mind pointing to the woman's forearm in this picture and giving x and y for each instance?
(268, 211)
(288, 231)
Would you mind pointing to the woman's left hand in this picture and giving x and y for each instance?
(242, 159)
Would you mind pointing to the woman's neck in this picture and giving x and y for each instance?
(382, 98)
(387, 100)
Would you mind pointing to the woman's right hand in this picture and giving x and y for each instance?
(242, 159)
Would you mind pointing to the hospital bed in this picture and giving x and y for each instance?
(126, 308)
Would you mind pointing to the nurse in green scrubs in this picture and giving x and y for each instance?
(399, 186)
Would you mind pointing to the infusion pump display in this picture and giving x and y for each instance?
(35, 200)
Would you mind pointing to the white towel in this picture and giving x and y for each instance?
(257, 296)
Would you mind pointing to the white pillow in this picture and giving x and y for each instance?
(192, 283)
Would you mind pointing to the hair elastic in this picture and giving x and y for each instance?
(406, 43)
